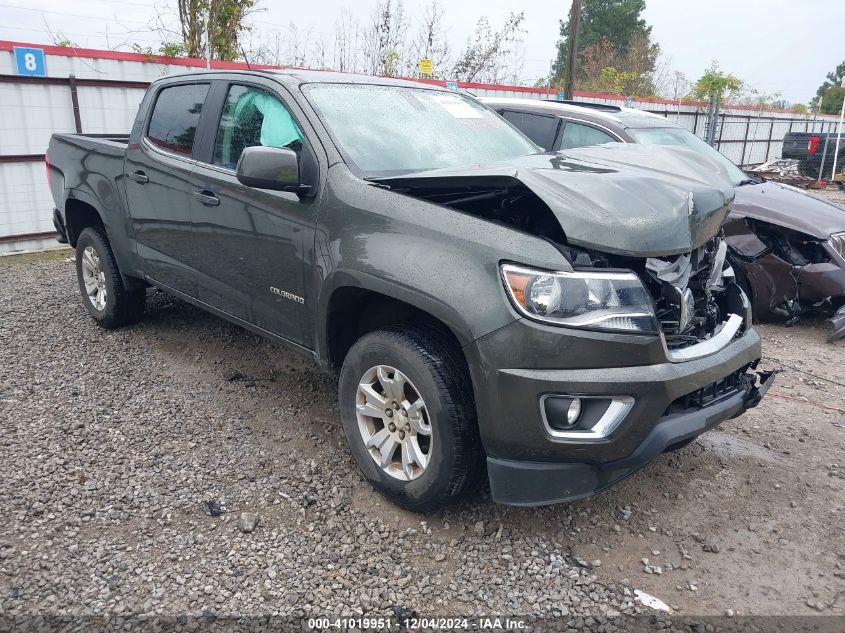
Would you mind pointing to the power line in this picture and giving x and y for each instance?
(72, 15)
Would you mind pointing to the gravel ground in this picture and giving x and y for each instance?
(185, 466)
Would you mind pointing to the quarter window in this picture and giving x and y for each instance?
(175, 117)
(577, 135)
(251, 117)
(540, 129)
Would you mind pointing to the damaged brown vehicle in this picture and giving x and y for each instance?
(787, 247)
(788, 252)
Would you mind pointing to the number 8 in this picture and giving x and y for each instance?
(29, 62)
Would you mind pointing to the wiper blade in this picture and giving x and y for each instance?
(749, 181)
(374, 183)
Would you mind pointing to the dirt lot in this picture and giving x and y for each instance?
(114, 442)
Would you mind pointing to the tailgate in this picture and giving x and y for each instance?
(795, 144)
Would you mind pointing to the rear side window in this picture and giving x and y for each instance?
(540, 129)
(576, 135)
(251, 117)
(176, 116)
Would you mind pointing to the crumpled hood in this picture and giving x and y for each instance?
(790, 208)
(627, 199)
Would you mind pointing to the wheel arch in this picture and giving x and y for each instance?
(79, 215)
(353, 309)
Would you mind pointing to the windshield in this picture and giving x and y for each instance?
(388, 130)
(685, 138)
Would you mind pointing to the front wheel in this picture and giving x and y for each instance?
(409, 416)
(104, 294)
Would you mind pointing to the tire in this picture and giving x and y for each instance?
(117, 305)
(434, 369)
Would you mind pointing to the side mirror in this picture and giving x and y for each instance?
(270, 168)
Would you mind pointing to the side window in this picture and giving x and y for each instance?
(577, 135)
(175, 117)
(251, 117)
(540, 129)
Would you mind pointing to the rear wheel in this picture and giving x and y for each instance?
(104, 294)
(409, 416)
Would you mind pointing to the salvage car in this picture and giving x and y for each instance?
(786, 246)
(561, 319)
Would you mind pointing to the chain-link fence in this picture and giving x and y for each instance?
(752, 139)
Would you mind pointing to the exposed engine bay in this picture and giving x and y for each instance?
(515, 206)
(688, 290)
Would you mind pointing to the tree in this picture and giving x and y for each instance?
(346, 42)
(604, 69)
(431, 41)
(714, 85)
(831, 101)
(800, 108)
(828, 99)
(385, 39)
(210, 27)
(603, 22)
(486, 52)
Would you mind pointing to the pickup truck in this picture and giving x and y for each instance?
(809, 148)
(560, 318)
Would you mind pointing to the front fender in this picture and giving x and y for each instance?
(442, 261)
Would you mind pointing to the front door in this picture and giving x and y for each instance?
(252, 247)
(159, 191)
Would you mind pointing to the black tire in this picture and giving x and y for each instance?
(122, 306)
(436, 367)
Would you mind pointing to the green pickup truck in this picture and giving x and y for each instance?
(548, 321)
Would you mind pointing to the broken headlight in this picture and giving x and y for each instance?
(593, 300)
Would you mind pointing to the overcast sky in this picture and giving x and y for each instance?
(774, 45)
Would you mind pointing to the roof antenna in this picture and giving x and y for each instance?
(243, 52)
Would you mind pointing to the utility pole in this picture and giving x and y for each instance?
(208, 37)
(572, 53)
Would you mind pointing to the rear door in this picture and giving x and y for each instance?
(539, 128)
(252, 247)
(582, 135)
(159, 190)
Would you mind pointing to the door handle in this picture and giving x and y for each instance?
(138, 176)
(207, 198)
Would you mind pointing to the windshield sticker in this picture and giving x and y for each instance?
(457, 107)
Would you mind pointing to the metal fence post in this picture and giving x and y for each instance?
(712, 115)
(745, 141)
(769, 140)
(824, 152)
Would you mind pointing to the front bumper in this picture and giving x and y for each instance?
(540, 483)
(527, 466)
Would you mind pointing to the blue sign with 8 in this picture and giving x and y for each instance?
(30, 62)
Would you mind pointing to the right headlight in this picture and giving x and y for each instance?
(593, 300)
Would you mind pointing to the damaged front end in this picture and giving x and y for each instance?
(699, 307)
(654, 211)
(788, 273)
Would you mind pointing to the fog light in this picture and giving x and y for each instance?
(573, 412)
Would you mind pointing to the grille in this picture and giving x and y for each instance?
(837, 241)
(712, 393)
